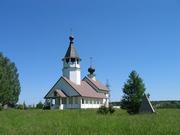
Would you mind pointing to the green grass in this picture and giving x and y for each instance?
(88, 122)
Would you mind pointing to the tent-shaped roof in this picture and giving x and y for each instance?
(146, 106)
(71, 52)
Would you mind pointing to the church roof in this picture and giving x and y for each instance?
(71, 52)
(98, 84)
(85, 90)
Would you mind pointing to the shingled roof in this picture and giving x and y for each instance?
(71, 52)
(85, 90)
(97, 84)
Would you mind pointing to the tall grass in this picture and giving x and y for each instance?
(88, 122)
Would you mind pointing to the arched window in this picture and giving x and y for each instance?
(72, 59)
(77, 61)
(67, 60)
(55, 93)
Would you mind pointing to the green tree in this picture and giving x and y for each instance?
(39, 105)
(9, 82)
(133, 91)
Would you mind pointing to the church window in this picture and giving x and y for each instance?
(72, 59)
(86, 101)
(98, 101)
(90, 101)
(67, 60)
(82, 101)
(95, 101)
(77, 61)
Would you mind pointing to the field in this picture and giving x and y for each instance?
(88, 122)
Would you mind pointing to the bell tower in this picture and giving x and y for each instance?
(71, 64)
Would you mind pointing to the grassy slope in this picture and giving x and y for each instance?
(87, 122)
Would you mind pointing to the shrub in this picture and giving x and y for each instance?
(111, 109)
(46, 107)
(103, 110)
(106, 110)
(39, 105)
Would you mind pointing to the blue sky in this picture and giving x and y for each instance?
(121, 36)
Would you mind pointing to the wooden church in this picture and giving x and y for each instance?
(72, 92)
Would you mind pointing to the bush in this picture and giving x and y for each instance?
(106, 110)
(111, 109)
(46, 107)
(39, 105)
(103, 110)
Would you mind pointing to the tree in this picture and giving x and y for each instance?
(39, 105)
(133, 91)
(9, 82)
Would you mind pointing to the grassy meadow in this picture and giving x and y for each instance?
(88, 122)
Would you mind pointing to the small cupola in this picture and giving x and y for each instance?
(91, 71)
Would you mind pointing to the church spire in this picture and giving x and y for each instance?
(71, 52)
(71, 63)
